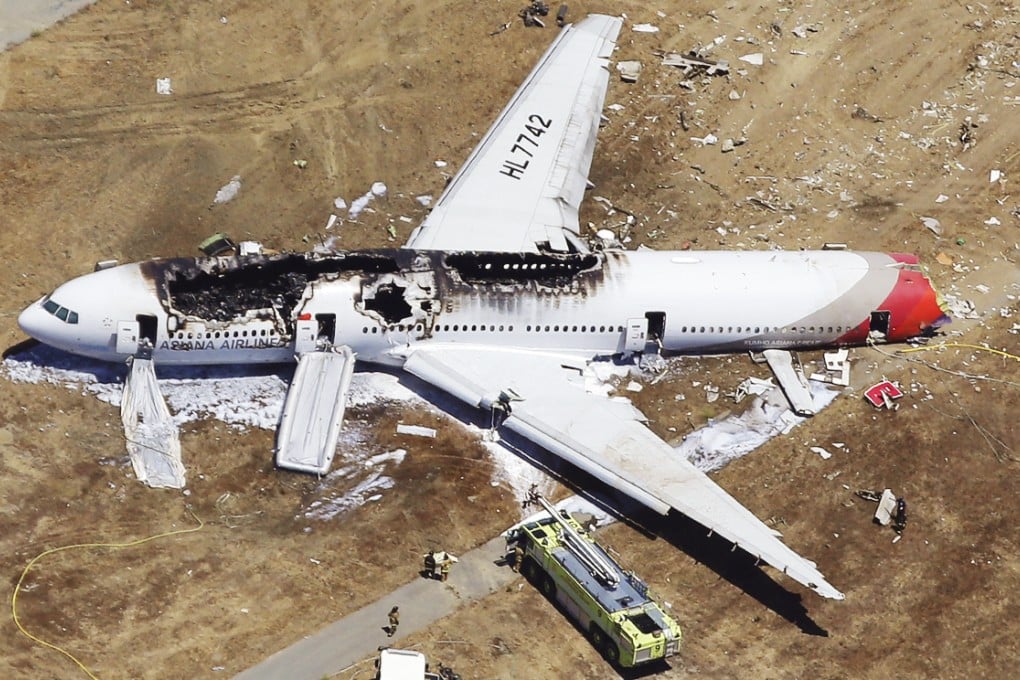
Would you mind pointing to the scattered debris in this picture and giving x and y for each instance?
(707, 140)
(994, 176)
(752, 386)
(228, 191)
(561, 16)
(821, 452)
(645, 28)
(339, 203)
(837, 369)
(692, 65)
(634, 386)
(416, 430)
(932, 225)
(532, 12)
(883, 394)
(860, 113)
(163, 86)
(755, 59)
(300, 164)
(217, 244)
(886, 507)
(629, 70)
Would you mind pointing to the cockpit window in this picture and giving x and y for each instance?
(62, 313)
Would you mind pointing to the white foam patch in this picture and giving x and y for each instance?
(720, 442)
(365, 472)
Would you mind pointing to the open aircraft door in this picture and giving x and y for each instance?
(637, 335)
(128, 333)
(306, 335)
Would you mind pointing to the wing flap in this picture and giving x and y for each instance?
(609, 442)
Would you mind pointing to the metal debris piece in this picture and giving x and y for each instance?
(883, 394)
(691, 64)
(532, 12)
(752, 386)
(933, 225)
(886, 508)
(228, 191)
(163, 86)
(755, 59)
(416, 430)
(837, 369)
(629, 70)
(821, 452)
(860, 113)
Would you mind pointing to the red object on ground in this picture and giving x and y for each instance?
(882, 394)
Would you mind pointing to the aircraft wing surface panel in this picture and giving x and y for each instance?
(522, 185)
(606, 438)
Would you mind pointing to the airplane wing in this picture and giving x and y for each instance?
(605, 438)
(523, 183)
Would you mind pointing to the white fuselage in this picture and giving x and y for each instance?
(383, 304)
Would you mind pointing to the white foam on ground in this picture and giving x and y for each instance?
(254, 396)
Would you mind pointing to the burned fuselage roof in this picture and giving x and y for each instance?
(221, 289)
(225, 288)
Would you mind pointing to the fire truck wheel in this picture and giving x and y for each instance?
(548, 586)
(611, 652)
(530, 570)
(598, 638)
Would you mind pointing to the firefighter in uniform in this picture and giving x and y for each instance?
(394, 617)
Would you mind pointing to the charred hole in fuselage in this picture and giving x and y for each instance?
(224, 289)
(388, 302)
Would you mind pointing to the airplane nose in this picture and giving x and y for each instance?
(34, 321)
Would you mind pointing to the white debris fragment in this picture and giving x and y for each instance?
(751, 386)
(645, 28)
(378, 189)
(706, 140)
(941, 198)
(633, 386)
(933, 225)
(629, 70)
(993, 221)
(425, 200)
(163, 86)
(416, 430)
(821, 452)
(228, 191)
(994, 176)
(734, 95)
(359, 204)
(755, 59)
(440, 164)
(331, 221)
(982, 288)
(339, 203)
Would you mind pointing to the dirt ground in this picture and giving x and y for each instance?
(862, 116)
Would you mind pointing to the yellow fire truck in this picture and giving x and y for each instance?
(611, 605)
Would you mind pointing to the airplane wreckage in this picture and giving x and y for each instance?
(496, 300)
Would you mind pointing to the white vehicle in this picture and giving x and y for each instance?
(403, 664)
(496, 300)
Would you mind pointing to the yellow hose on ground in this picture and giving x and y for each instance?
(961, 345)
(51, 551)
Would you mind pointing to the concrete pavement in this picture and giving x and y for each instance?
(360, 634)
